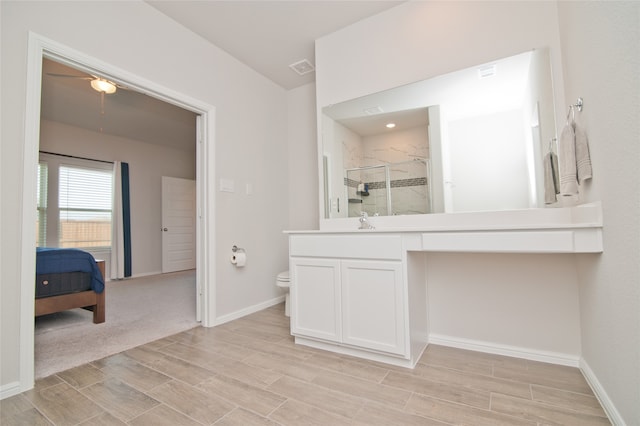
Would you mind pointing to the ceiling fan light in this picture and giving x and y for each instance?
(103, 86)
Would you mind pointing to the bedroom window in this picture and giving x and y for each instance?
(84, 201)
(75, 199)
(41, 221)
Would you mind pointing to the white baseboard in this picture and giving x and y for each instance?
(247, 311)
(506, 350)
(614, 416)
(144, 274)
(10, 389)
(543, 356)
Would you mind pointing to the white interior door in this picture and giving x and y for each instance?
(178, 224)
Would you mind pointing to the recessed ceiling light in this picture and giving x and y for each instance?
(302, 67)
(391, 125)
(373, 110)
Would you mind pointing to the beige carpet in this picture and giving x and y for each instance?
(138, 311)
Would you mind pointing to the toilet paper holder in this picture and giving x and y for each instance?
(239, 257)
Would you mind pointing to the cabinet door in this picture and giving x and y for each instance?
(315, 298)
(373, 305)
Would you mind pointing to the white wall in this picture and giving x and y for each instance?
(505, 300)
(147, 164)
(419, 40)
(597, 43)
(601, 61)
(398, 47)
(250, 140)
(303, 158)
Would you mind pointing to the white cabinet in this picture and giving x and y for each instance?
(315, 298)
(359, 303)
(373, 314)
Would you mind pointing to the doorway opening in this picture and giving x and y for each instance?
(41, 48)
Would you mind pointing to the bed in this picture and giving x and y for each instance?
(69, 279)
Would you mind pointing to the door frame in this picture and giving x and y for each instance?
(40, 47)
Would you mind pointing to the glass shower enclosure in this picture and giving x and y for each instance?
(389, 189)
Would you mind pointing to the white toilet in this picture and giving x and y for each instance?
(283, 282)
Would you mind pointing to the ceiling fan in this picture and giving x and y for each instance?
(99, 84)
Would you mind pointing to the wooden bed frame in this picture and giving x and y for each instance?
(89, 300)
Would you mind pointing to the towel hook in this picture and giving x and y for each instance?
(572, 109)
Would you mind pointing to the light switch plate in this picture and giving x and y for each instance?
(227, 185)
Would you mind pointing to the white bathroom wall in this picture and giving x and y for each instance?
(418, 40)
(381, 56)
(250, 141)
(303, 158)
(506, 301)
(601, 62)
(147, 164)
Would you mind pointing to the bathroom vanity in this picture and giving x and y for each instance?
(364, 292)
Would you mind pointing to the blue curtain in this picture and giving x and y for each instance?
(126, 219)
(121, 223)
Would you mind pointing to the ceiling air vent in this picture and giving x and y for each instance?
(487, 71)
(302, 67)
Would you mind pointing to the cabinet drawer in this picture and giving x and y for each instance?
(347, 246)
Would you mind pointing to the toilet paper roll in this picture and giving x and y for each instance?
(239, 259)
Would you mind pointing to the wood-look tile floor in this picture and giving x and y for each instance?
(249, 372)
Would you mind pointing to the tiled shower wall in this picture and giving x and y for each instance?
(408, 181)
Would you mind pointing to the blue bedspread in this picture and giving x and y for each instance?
(57, 260)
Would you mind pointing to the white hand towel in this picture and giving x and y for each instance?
(575, 161)
(551, 184)
(583, 159)
(568, 169)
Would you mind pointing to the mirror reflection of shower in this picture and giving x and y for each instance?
(389, 189)
(475, 129)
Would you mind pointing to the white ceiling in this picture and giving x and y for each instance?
(266, 35)
(67, 97)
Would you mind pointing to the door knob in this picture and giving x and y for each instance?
(165, 229)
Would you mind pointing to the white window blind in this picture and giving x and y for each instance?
(41, 221)
(85, 204)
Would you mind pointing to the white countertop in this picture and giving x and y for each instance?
(583, 216)
(560, 230)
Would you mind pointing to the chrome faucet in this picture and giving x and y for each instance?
(364, 221)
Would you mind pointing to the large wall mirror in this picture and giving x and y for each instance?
(471, 140)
